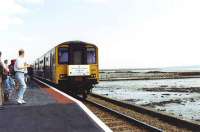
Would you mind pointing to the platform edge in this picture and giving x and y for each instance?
(89, 112)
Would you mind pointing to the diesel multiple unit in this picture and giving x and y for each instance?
(72, 66)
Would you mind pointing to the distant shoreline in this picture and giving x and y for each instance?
(126, 79)
(165, 69)
(153, 75)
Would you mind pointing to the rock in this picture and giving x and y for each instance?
(192, 100)
(197, 120)
(162, 109)
(163, 86)
(166, 94)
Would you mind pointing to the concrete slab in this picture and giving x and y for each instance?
(45, 111)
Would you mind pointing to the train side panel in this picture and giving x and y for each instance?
(61, 70)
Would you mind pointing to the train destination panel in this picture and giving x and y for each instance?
(79, 70)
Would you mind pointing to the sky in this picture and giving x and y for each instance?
(129, 33)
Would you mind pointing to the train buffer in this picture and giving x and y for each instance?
(48, 110)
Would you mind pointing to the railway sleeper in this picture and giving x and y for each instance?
(113, 122)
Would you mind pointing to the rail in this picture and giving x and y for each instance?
(162, 116)
(129, 119)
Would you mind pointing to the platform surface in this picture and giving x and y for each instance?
(45, 111)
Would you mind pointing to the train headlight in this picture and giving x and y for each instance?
(93, 75)
(63, 76)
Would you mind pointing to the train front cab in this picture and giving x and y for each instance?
(77, 68)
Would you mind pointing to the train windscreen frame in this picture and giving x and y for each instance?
(63, 55)
(91, 55)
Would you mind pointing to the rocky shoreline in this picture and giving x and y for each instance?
(118, 76)
(173, 89)
(179, 97)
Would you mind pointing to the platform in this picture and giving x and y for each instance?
(47, 111)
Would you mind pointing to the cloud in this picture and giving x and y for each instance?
(9, 13)
(5, 21)
(35, 2)
(11, 7)
(96, 1)
(12, 10)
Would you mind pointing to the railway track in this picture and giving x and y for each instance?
(118, 122)
(120, 116)
(151, 118)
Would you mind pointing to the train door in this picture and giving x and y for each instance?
(77, 56)
(44, 68)
(51, 67)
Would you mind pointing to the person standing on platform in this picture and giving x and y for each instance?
(6, 83)
(12, 74)
(2, 68)
(20, 67)
(30, 74)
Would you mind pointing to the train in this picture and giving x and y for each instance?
(72, 66)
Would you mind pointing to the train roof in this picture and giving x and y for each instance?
(70, 43)
(73, 43)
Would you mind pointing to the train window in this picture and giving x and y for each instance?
(91, 56)
(77, 57)
(63, 55)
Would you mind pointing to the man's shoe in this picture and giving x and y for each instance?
(23, 102)
(19, 101)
